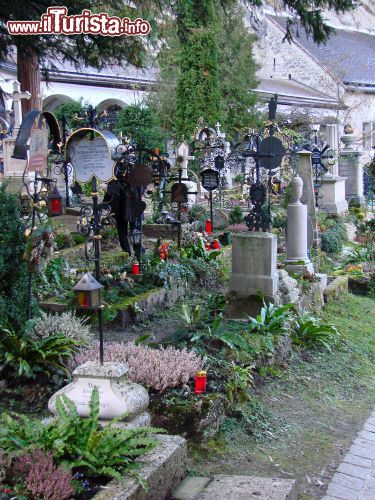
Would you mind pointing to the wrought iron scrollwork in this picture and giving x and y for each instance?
(90, 223)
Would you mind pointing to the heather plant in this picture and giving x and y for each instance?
(37, 474)
(66, 324)
(155, 368)
(238, 228)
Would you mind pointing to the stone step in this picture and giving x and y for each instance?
(222, 487)
(162, 469)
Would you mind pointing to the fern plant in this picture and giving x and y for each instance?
(25, 357)
(79, 443)
(217, 333)
(271, 320)
(266, 326)
(308, 332)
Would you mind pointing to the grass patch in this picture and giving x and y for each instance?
(300, 425)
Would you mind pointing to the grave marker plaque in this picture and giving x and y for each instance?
(38, 150)
(179, 193)
(210, 179)
(91, 158)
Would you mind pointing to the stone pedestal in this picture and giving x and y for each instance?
(304, 169)
(254, 264)
(254, 274)
(351, 168)
(117, 394)
(333, 195)
(12, 166)
(297, 259)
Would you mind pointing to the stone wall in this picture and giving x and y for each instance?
(280, 59)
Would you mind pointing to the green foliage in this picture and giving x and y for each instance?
(197, 250)
(360, 254)
(197, 212)
(331, 241)
(218, 334)
(13, 269)
(226, 81)
(141, 124)
(78, 239)
(24, 357)
(197, 93)
(238, 385)
(79, 443)
(70, 110)
(279, 220)
(82, 49)
(308, 332)
(271, 320)
(192, 316)
(236, 215)
(54, 278)
(163, 272)
(236, 69)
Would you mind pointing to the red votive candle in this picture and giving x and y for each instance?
(135, 268)
(215, 244)
(200, 382)
(208, 227)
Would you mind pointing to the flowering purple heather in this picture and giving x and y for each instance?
(155, 368)
(43, 479)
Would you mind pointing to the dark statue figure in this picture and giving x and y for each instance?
(127, 207)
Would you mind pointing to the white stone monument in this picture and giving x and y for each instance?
(333, 187)
(117, 394)
(304, 168)
(254, 264)
(350, 166)
(183, 151)
(297, 259)
(12, 166)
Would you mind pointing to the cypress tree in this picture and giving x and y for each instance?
(198, 92)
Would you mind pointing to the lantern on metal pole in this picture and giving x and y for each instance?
(136, 240)
(88, 298)
(54, 203)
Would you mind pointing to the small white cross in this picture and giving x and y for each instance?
(17, 105)
(183, 151)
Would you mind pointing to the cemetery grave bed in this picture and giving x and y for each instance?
(302, 416)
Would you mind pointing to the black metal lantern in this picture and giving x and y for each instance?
(54, 203)
(136, 236)
(88, 293)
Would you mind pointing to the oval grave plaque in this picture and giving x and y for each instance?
(91, 158)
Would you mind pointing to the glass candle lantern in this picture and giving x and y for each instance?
(88, 293)
(54, 203)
